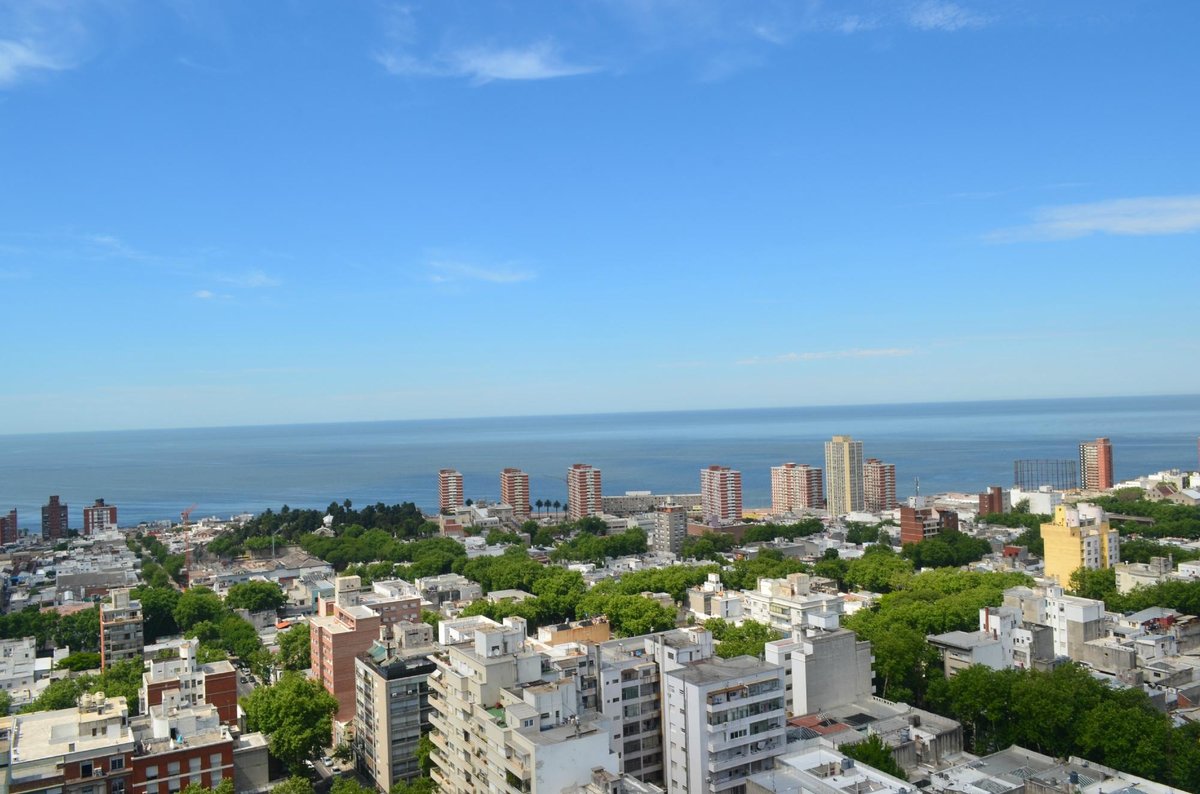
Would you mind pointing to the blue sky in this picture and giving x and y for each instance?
(243, 213)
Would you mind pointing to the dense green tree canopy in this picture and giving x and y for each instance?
(747, 639)
(255, 596)
(295, 648)
(296, 713)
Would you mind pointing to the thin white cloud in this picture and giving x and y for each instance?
(540, 61)
(787, 358)
(446, 272)
(945, 16)
(21, 58)
(251, 279)
(1147, 215)
(204, 294)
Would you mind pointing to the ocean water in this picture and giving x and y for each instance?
(154, 474)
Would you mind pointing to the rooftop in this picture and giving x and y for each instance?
(715, 670)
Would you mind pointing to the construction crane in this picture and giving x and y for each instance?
(185, 517)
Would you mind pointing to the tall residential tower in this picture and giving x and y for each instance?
(1095, 465)
(879, 485)
(450, 490)
(843, 475)
(721, 494)
(514, 492)
(583, 491)
(795, 487)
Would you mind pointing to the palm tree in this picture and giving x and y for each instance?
(557, 505)
(539, 505)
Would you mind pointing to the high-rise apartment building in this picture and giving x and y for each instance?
(1079, 537)
(721, 494)
(879, 485)
(8, 528)
(342, 629)
(630, 672)
(55, 520)
(796, 486)
(506, 717)
(514, 492)
(121, 635)
(450, 490)
(583, 491)
(100, 517)
(843, 475)
(670, 528)
(826, 665)
(725, 719)
(1095, 465)
(392, 707)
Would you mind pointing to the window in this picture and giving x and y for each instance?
(194, 764)
(116, 762)
(151, 788)
(214, 760)
(85, 769)
(152, 774)
(173, 768)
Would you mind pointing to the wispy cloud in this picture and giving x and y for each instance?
(788, 358)
(443, 272)
(539, 61)
(20, 58)
(251, 279)
(945, 16)
(1147, 215)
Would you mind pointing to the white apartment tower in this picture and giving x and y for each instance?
(505, 717)
(514, 492)
(725, 719)
(795, 486)
(450, 490)
(583, 491)
(843, 475)
(721, 494)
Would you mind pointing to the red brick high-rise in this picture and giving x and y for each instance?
(795, 486)
(1095, 465)
(55, 522)
(721, 494)
(879, 485)
(450, 490)
(514, 492)
(8, 527)
(583, 491)
(99, 517)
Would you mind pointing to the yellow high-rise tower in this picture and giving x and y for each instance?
(1079, 537)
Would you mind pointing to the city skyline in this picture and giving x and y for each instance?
(242, 215)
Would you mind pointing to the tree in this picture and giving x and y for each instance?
(255, 596)
(83, 660)
(296, 713)
(1099, 584)
(198, 604)
(539, 504)
(420, 785)
(874, 752)
(747, 639)
(61, 694)
(295, 648)
(424, 754)
(5, 704)
(345, 785)
(158, 607)
(293, 785)
(557, 505)
(79, 631)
